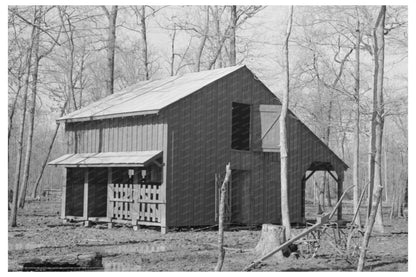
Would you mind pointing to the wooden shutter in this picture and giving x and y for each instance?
(266, 128)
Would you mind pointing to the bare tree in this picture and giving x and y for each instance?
(111, 46)
(233, 54)
(202, 41)
(379, 30)
(45, 162)
(16, 184)
(377, 123)
(356, 150)
(283, 134)
(32, 109)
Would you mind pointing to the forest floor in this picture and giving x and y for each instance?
(40, 232)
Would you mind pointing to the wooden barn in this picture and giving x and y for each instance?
(150, 154)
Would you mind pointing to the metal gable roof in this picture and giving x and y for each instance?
(148, 97)
(138, 158)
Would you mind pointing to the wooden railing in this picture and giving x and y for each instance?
(139, 203)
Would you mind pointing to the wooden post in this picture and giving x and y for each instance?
(109, 197)
(162, 196)
(303, 204)
(221, 253)
(85, 214)
(340, 192)
(63, 195)
(134, 208)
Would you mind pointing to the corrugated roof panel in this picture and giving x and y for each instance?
(138, 158)
(149, 96)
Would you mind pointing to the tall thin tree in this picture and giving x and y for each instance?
(233, 52)
(379, 31)
(202, 41)
(32, 110)
(378, 75)
(283, 134)
(111, 46)
(16, 183)
(356, 150)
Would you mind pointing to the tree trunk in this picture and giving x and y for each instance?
(221, 215)
(16, 184)
(13, 109)
(45, 162)
(377, 135)
(356, 163)
(327, 190)
(32, 111)
(272, 236)
(70, 74)
(321, 198)
(202, 42)
(172, 59)
(369, 228)
(111, 47)
(379, 42)
(283, 135)
(71, 262)
(144, 42)
(233, 54)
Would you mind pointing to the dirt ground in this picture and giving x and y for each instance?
(40, 232)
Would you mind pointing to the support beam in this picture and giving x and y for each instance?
(333, 176)
(164, 230)
(310, 175)
(85, 213)
(303, 193)
(340, 192)
(109, 193)
(135, 205)
(63, 195)
(162, 207)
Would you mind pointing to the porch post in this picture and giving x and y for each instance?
(340, 191)
(303, 193)
(135, 205)
(162, 206)
(85, 214)
(109, 197)
(63, 194)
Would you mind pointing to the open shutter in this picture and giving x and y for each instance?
(266, 128)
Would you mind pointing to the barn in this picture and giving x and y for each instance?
(151, 154)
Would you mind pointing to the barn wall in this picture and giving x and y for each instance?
(197, 145)
(137, 133)
(304, 149)
(200, 146)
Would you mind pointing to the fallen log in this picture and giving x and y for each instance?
(71, 262)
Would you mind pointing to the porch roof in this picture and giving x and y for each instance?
(108, 159)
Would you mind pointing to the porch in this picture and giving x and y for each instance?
(123, 193)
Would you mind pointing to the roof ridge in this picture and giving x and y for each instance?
(164, 95)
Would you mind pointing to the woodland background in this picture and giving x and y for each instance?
(61, 66)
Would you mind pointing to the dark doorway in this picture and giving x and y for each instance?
(240, 138)
(74, 191)
(97, 191)
(240, 196)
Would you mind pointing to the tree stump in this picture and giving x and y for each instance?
(272, 236)
(71, 262)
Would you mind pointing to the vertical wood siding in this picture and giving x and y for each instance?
(199, 145)
(195, 136)
(125, 134)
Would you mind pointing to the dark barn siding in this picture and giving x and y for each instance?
(200, 146)
(138, 133)
(200, 126)
(195, 135)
